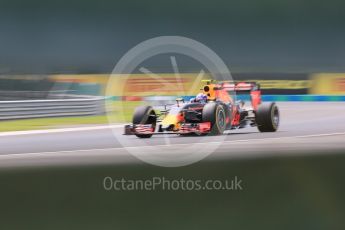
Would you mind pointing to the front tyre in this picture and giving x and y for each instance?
(267, 117)
(144, 115)
(216, 115)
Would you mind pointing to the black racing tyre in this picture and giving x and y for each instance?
(144, 115)
(267, 117)
(215, 113)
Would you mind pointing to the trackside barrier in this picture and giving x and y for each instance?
(51, 108)
(307, 97)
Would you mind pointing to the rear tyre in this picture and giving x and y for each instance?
(267, 117)
(144, 115)
(216, 115)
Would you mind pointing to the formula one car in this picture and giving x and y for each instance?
(211, 112)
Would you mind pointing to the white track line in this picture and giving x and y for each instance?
(62, 130)
(35, 154)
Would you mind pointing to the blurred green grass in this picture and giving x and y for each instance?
(278, 193)
(121, 112)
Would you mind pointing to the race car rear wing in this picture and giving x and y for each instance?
(252, 88)
(240, 86)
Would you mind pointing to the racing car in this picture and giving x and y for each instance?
(211, 112)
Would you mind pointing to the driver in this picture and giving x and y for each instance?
(201, 98)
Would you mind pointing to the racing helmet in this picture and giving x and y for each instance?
(202, 98)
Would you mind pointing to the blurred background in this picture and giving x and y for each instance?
(47, 37)
(55, 61)
(67, 49)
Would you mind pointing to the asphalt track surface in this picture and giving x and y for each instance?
(308, 127)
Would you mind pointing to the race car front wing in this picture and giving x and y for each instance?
(185, 128)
